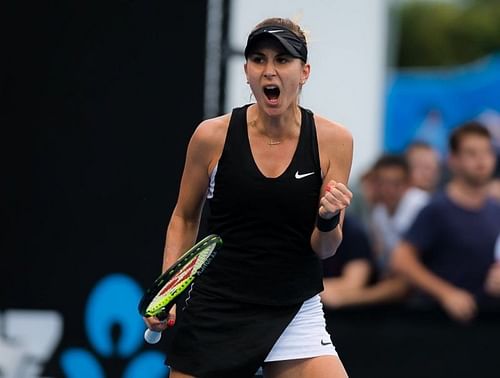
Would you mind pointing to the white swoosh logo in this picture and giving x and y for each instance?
(299, 176)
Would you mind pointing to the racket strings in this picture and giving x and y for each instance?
(164, 297)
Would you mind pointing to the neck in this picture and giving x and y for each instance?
(466, 195)
(276, 129)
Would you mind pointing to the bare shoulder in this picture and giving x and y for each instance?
(329, 131)
(207, 141)
(335, 143)
(212, 130)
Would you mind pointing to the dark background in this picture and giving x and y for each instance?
(99, 100)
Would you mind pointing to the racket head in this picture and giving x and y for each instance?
(161, 295)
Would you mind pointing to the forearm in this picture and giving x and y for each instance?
(388, 290)
(416, 273)
(325, 244)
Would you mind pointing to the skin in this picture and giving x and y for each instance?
(341, 291)
(424, 167)
(393, 183)
(472, 166)
(280, 120)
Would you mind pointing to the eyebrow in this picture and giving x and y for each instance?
(279, 55)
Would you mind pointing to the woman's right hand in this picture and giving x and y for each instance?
(159, 325)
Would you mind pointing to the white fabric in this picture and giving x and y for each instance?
(390, 227)
(211, 184)
(305, 336)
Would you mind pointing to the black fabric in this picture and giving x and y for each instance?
(355, 246)
(265, 223)
(295, 46)
(326, 225)
(266, 268)
(217, 338)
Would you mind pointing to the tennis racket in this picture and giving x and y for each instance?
(162, 294)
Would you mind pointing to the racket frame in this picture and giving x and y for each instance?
(163, 280)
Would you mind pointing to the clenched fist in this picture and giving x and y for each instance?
(337, 197)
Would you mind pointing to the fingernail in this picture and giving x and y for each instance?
(171, 323)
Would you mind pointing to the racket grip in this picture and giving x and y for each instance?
(152, 337)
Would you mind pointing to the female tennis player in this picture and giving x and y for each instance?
(275, 177)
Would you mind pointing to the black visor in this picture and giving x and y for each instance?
(293, 45)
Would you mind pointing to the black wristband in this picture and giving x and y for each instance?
(326, 225)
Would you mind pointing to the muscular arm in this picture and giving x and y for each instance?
(336, 147)
(204, 150)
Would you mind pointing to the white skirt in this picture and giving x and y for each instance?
(305, 336)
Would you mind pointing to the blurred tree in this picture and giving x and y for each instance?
(441, 34)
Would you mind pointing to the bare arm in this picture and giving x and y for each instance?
(202, 154)
(336, 147)
(459, 304)
(355, 275)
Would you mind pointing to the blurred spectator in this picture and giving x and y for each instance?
(399, 203)
(365, 197)
(424, 164)
(490, 118)
(351, 268)
(494, 189)
(448, 252)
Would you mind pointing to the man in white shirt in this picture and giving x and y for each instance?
(399, 204)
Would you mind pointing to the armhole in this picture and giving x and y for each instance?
(236, 117)
(314, 142)
(211, 183)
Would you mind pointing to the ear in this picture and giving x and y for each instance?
(246, 71)
(306, 70)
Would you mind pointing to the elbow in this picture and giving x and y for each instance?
(326, 253)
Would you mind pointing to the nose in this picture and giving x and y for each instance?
(269, 75)
(269, 72)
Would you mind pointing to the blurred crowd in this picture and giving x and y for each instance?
(424, 229)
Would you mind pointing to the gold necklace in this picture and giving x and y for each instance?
(271, 141)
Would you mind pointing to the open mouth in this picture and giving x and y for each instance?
(272, 92)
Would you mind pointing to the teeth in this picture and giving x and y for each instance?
(271, 87)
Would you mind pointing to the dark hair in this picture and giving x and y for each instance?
(468, 128)
(418, 144)
(392, 160)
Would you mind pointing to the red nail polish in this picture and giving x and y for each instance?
(171, 323)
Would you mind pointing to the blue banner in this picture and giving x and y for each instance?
(425, 104)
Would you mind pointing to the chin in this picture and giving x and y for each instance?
(479, 181)
(273, 111)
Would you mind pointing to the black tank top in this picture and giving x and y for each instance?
(265, 223)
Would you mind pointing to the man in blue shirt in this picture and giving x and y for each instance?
(448, 252)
